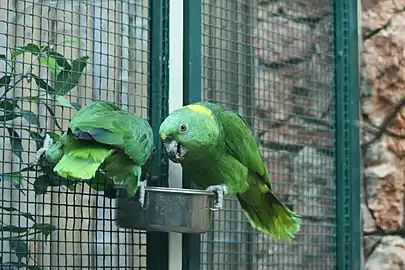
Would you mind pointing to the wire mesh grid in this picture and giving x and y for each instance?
(272, 61)
(46, 224)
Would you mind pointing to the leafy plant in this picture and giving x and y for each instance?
(18, 234)
(67, 75)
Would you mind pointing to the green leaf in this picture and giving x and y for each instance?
(53, 60)
(46, 49)
(33, 134)
(63, 101)
(71, 187)
(13, 229)
(44, 228)
(49, 62)
(30, 117)
(5, 80)
(31, 48)
(17, 265)
(29, 169)
(76, 105)
(41, 83)
(23, 214)
(15, 178)
(69, 78)
(48, 170)
(73, 41)
(31, 99)
(55, 137)
(41, 184)
(8, 106)
(44, 181)
(60, 60)
(33, 267)
(16, 143)
(20, 248)
(10, 116)
(56, 181)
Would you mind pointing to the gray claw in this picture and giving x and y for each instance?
(220, 191)
(141, 186)
(47, 143)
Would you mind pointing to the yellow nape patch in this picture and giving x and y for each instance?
(200, 109)
(163, 136)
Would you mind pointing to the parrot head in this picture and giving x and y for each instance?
(190, 130)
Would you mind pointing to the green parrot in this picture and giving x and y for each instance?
(104, 137)
(217, 148)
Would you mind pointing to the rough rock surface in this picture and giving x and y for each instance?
(383, 78)
(388, 255)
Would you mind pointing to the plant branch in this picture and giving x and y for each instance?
(15, 83)
(382, 129)
(19, 236)
(372, 128)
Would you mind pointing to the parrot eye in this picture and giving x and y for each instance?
(183, 128)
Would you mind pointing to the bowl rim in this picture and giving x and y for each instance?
(185, 191)
(178, 190)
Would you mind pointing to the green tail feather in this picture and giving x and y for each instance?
(269, 215)
(123, 171)
(82, 163)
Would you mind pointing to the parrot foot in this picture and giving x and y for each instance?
(220, 191)
(141, 186)
(47, 143)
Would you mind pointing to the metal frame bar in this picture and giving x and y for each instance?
(348, 154)
(158, 242)
(175, 102)
(192, 91)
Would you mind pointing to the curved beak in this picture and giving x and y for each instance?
(175, 151)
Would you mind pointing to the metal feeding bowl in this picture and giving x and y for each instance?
(166, 210)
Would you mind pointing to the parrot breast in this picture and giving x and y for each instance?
(215, 170)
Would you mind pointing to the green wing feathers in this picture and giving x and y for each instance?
(239, 139)
(119, 129)
(263, 209)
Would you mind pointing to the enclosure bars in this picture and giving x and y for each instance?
(192, 91)
(157, 242)
(348, 156)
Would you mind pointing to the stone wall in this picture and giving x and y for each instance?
(383, 78)
(294, 92)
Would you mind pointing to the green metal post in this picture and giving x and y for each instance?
(348, 157)
(157, 242)
(355, 150)
(192, 52)
(192, 91)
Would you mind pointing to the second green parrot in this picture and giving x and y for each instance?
(216, 147)
(104, 137)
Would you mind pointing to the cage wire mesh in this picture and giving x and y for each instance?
(62, 228)
(272, 61)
